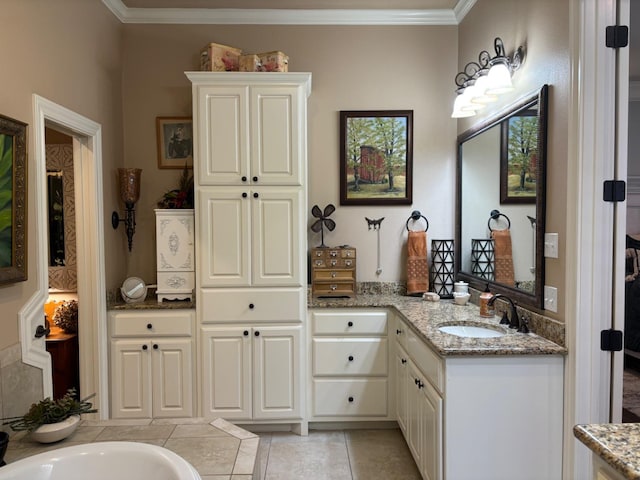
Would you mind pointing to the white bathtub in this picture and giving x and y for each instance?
(102, 461)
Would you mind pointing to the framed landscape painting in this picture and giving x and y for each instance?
(13, 200)
(519, 158)
(376, 154)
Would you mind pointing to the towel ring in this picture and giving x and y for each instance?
(415, 216)
(495, 214)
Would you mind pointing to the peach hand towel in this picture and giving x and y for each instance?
(503, 257)
(417, 268)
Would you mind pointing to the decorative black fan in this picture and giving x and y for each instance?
(323, 221)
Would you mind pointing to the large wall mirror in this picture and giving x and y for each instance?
(501, 202)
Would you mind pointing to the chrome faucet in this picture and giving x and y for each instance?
(514, 321)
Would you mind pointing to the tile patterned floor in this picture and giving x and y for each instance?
(223, 453)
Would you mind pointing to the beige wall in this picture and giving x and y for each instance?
(354, 68)
(542, 27)
(68, 51)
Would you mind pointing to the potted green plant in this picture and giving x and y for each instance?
(52, 420)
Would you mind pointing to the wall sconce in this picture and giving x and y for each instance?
(129, 180)
(481, 82)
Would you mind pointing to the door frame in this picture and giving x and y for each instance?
(87, 155)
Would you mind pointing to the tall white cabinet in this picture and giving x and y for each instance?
(250, 168)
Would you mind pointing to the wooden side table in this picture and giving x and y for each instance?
(63, 348)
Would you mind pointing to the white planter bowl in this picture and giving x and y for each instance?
(54, 432)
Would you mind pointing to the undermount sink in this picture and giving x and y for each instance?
(471, 331)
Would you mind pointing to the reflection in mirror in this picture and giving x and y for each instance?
(55, 188)
(501, 207)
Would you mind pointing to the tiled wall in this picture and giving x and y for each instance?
(20, 384)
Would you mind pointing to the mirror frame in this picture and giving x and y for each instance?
(535, 299)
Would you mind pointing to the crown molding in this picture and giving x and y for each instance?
(232, 16)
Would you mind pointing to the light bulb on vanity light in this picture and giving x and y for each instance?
(480, 94)
(499, 79)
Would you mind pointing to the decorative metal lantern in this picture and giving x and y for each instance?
(442, 271)
(483, 258)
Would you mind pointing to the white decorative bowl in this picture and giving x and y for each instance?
(461, 298)
(54, 432)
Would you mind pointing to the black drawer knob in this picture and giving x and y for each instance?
(255, 194)
(244, 178)
(416, 381)
(255, 179)
(398, 332)
(244, 194)
(257, 334)
(404, 360)
(251, 306)
(246, 333)
(350, 324)
(155, 346)
(144, 347)
(351, 399)
(351, 358)
(149, 326)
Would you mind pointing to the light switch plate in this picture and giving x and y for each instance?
(550, 298)
(551, 245)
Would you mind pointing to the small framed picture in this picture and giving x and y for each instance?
(175, 142)
(376, 153)
(519, 157)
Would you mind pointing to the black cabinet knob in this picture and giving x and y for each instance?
(350, 324)
(351, 358)
(149, 326)
(257, 334)
(255, 194)
(416, 381)
(255, 179)
(155, 346)
(246, 333)
(144, 347)
(404, 360)
(244, 194)
(398, 332)
(251, 306)
(350, 399)
(244, 178)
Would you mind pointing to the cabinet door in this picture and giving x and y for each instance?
(222, 130)
(174, 240)
(429, 413)
(130, 379)
(277, 135)
(402, 387)
(226, 372)
(172, 378)
(414, 421)
(224, 256)
(276, 360)
(276, 239)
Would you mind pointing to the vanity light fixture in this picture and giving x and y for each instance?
(481, 82)
(129, 180)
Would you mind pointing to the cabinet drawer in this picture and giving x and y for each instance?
(349, 323)
(176, 281)
(329, 276)
(150, 323)
(334, 263)
(253, 305)
(334, 289)
(350, 397)
(349, 356)
(426, 360)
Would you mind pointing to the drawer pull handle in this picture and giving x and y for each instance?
(350, 323)
(244, 178)
(149, 326)
(404, 360)
(333, 254)
(251, 306)
(398, 332)
(333, 287)
(155, 346)
(257, 334)
(255, 179)
(144, 347)
(333, 274)
(246, 333)
(416, 381)
(351, 358)
(334, 263)
(351, 399)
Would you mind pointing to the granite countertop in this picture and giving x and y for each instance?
(616, 443)
(426, 317)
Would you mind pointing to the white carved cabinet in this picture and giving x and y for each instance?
(250, 167)
(175, 254)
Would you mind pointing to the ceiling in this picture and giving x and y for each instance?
(292, 12)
